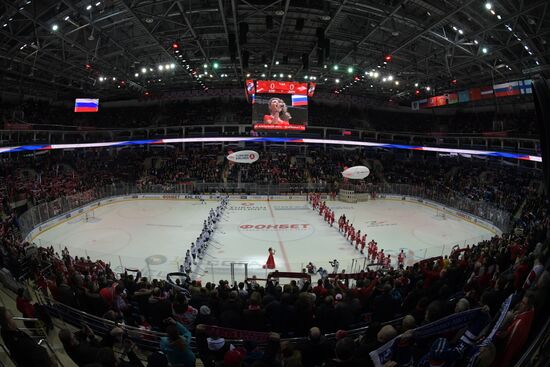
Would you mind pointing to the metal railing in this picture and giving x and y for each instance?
(449, 198)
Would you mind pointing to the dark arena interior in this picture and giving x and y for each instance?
(274, 183)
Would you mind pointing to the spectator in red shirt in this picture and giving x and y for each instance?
(514, 335)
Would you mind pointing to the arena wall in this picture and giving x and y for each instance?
(64, 217)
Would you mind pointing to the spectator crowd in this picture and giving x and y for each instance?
(320, 314)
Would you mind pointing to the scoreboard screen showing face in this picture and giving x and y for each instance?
(279, 105)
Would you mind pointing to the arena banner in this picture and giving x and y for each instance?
(447, 324)
(489, 339)
(235, 334)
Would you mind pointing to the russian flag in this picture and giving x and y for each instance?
(299, 100)
(86, 105)
(507, 89)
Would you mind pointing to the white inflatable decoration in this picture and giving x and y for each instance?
(244, 156)
(356, 173)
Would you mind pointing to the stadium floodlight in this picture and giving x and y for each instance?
(397, 82)
(55, 27)
(263, 75)
(150, 69)
(337, 80)
(161, 67)
(416, 85)
(276, 62)
(281, 75)
(172, 66)
(274, 75)
(98, 3)
(484, 50)
(376, 74)
(101, 79)
(136, 75)
(265, 65)
(488, 6)
(289, 76)
(248, 75)
(216, 65)
(499, 17)
(205, 66)
(167, 66)
(455, 28)
(460, 31)
(384, 79)
(335, 67)
(476, 42)
(350, 69)
(66, 18)
(325, 66)
(390, 77)
(89, 7)
(428, 88)
(114, 79)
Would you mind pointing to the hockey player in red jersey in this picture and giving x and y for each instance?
(363, 244)
(381, 256)
(351, 235)
(401, 260)
(357, 239)
(387, 262)
(374, 251)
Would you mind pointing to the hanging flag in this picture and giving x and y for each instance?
(86, 105)
(463, 96)
(507, 89)
(299, 100)
(486, 92)
(526, 86)
(452, 98)
(311, 89)
(250, 88)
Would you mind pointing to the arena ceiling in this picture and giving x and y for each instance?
(114, 48)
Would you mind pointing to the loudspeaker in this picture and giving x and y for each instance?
(300, 24)
(245, 55)
(320, 36)
(327, 48)
(320, 57)
(541, 96)
(305, 61)
(243, 31)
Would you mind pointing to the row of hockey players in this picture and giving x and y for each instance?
(353, 236)
(199, 247)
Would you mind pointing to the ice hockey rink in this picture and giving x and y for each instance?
(153, 235)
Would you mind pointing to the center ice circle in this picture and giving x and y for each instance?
(265, 229)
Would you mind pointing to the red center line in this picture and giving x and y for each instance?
(281, 245)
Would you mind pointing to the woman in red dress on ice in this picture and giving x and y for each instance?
(270, 264)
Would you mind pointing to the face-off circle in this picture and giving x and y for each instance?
(156, 260)
(264, 229)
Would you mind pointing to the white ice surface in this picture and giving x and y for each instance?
(153, 235)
